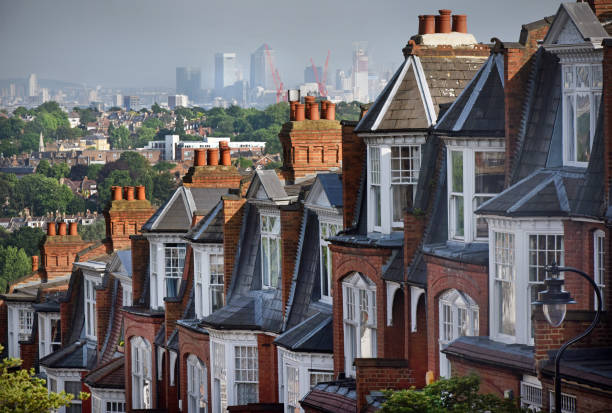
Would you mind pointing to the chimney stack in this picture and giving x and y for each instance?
(213, 156)
(34, 263)
(72, 229)
(292, 109)
(129, 193)
(443, 21)
(199, 158)
(51, 229)
(314, 111)
(117, 193)
(61, 229)
(226, 159)
(460, 23)
(300, 113)
(141, 195)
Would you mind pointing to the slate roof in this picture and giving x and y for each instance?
(592, 366)
(332, 397)
(583, 19)
(332, 185)
(270, 183)
(176, 214)
(210, 228)
(313, 335)
(77, 355)
(487, 351)
(110, 375)
(412, 99)
(479, 110)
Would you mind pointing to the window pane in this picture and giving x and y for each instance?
(375, 165)
(583, 127)
(597, 78)
(457, 172)
(376, 205)
(265, 249)
(507, 307)
(274, 261)
(457, 211)
(568, 72)
(569, 116)
(324, 274)
(489, 173)
(482, 228)
(402, 199)
(216, 298)
(73, 387)
(583, 75)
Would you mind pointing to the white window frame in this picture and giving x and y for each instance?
(531, 393)
(521, 229)
(354, 288)
(249, 374)
(141, 373)
(469, 195)
(380, 157)
(268, 235)
(204, 255)
(89, 293)
(571, 90)
(108, 401)
(327, 228)
(174, 252)
(61, 377)
(197, 387)
(127, 299)
(17, 330)
(599, 266)
(451, 305)
(219, 376)
(157, 265)
(45, 334)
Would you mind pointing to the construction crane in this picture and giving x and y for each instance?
(322, 83)
(278, 84)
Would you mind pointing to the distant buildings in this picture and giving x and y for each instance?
(226, 71)
(177, 100)
(130, 102)
(32, 85)
(261, 74)
(360, 73)
(118, 100)
(310, 76)
(188, 81)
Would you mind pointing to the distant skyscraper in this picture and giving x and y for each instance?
(261, 74)
(360, 72)
(188, 81)
(130, 102)
(177, 100)
(118, 100)
(32, 85)
(226, 71)
(44, 93)
(12, 90)
(309, 74)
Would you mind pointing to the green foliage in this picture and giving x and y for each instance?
(41, 195)
(273, 165)
(163, 185)
(86, 116)
(163, 166)
(25, 237)
(455, 395)
(348, 111)
(153, 123)
(93, 171)
(114, 109)
(119, 138)
(14, 264)
(144, 135)
(22, 392)
(93, 232)
(57, 171)
(245, 163)
(43, 168)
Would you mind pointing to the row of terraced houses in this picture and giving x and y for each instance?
(384, 254)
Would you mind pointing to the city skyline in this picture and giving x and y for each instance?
(145, 55)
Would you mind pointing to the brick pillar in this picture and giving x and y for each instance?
(381, 374)
(290, 232)
(268, 369)
(140, 263)
(607, 104)
(353, 149)
(233, 209)
(29, 352)
(104, 301)
(414, 227)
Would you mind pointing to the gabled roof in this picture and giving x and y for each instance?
(210, 228)
(574, 23)
(110, 375)
(412, 99)
(77, 355)
(479, 110)
(177, 213)
(266, 185)
(313, 335)
(326, 191)
(338, 396)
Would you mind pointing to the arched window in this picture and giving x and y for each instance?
(197, 395)
(458, 316)
(359, 315)
(141, 373)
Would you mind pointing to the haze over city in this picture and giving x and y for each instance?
(140, 43)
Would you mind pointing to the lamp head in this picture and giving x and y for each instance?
(554, 299)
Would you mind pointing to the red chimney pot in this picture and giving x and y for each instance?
(129, 193)
(199, 158)
(72, 228)
(300, 113)
(61, 229)
(444, 21)
(141, 195)
(117, 193)
(34, 263)
(51, 229)
(213, 156)
(314, 111)
(429, 25)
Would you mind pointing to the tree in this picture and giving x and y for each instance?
(119, 138)
(348, 111)
(93, 232)
(163, 185)
(27, 238)
(153, 123)
(60, 170)
(43, 168)
(163, 166)
(93, 171)
(41, 195)
(455, 395)
(22, 392)
(14, 264)
(145, 135)
(114, 109)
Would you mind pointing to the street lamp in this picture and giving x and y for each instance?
(554, 301)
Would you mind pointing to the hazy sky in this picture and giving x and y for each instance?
(127, 43)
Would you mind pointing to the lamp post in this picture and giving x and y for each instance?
(554, 301)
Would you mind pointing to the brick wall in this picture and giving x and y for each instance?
(59, 252)
(493, 380)
(443, 275)
(602, 9)
(353, 155)
(607, 104)
(191, 342)
(176, 306)
(414, 227)
(212, 176)
(140, 263)
(233, 209)
(588, 399)
(310, 146)
(268, 369)
(125, 218)
(381, 374)
(417, 343)
(369, 262)
(290, 232)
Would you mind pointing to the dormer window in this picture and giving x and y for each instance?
(326, 230)
(582, 85)
(270, 249)
(474, 176)
(208, 279)
(90, 307)
(393, 173)
(167, 262)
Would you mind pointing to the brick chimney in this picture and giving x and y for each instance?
(233, 209)
(34, 263)
(210, 174)
(602, 9)
(353, 148)
(125, 217)
(59, 250)
(310, 144)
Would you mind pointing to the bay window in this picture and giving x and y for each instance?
(216, 282)
(167, 260)
(458, 316)
(208, 280)
(474, 177)
(69, 381)
(599, 265)
(505, 276)
(102, 404)
(141, 373)
(359, 319)
(174, 254)
(326, 230)
(219, 377)
(393, 173)
(270, 249)
(20, 320)
(49, 333)
(293, 389)
(90, 307)
(582, 86)
(197, 397)
(246, 374)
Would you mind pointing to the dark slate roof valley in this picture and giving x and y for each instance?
(332, 185)
(210, 228)
(313, 335)
(333, 397)
(484, 350)
(78, 355)
(110, 375)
